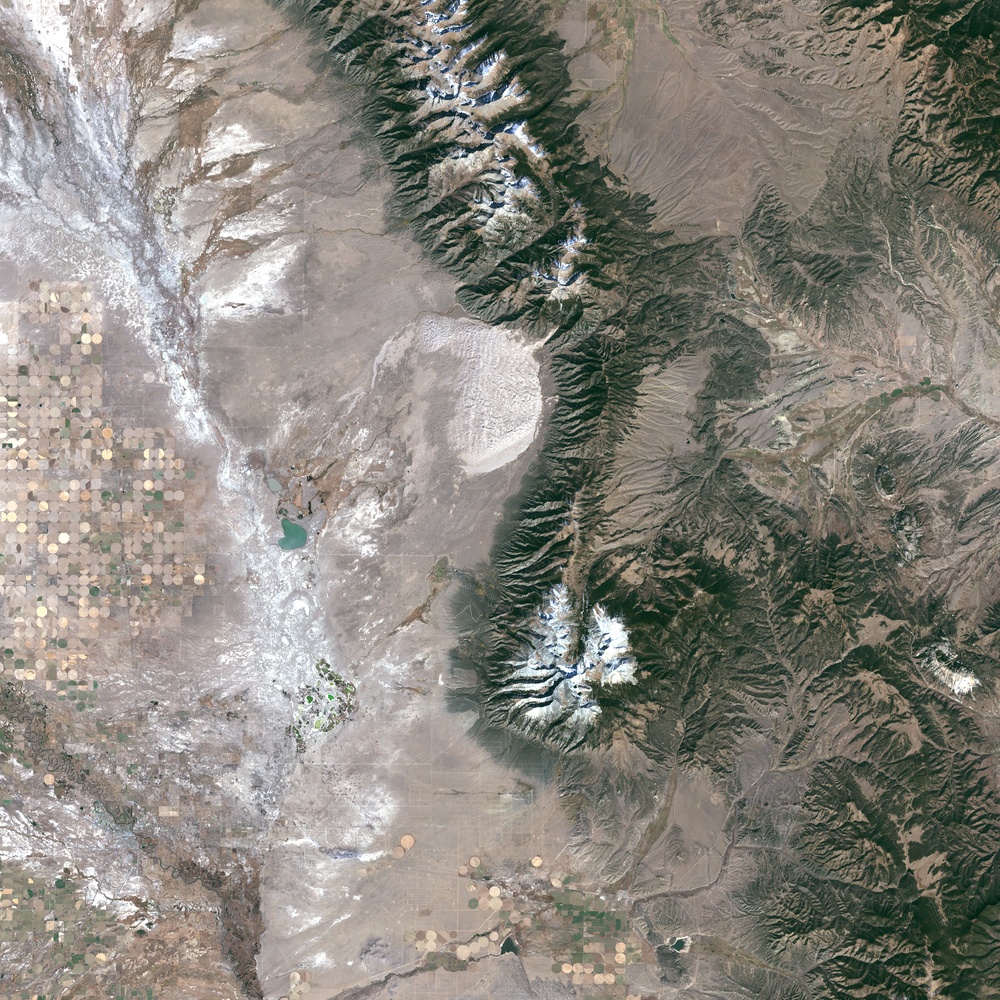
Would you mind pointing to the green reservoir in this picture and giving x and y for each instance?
(295, 535)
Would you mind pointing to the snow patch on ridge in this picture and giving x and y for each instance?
(481, 102)
(554, 682)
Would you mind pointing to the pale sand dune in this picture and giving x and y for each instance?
(499, 402)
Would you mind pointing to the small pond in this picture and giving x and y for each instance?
(295, 535)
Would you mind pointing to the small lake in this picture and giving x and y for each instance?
(295, 535)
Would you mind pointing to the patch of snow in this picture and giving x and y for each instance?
(555, 684)
(478, 96)
(562, 276)
(520, 132)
